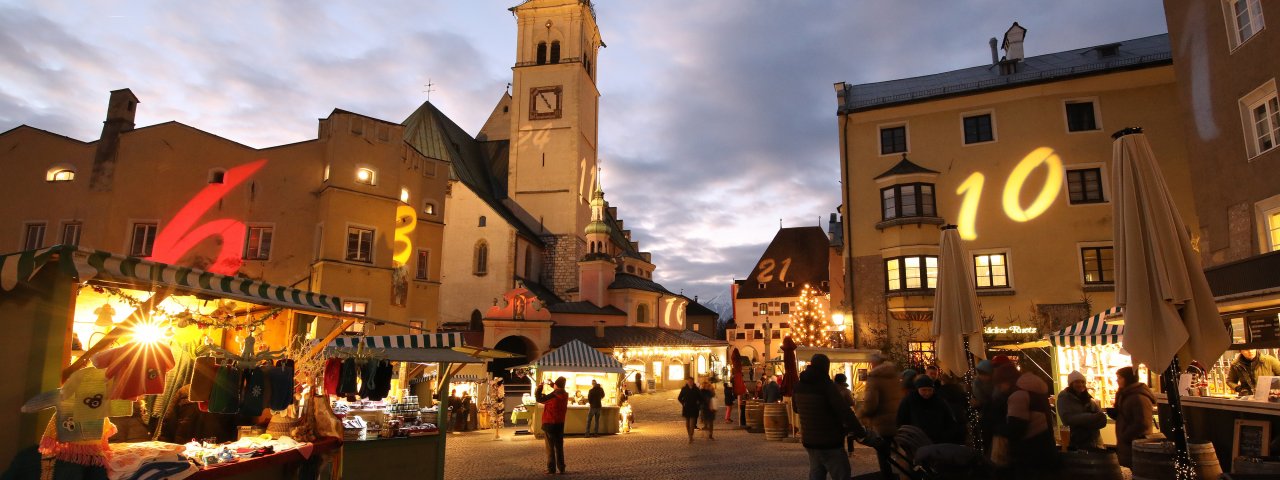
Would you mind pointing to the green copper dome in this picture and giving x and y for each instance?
(597, 226)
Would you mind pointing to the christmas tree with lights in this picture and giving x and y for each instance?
(810, 325)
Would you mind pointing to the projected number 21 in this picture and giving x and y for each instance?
(971, 191)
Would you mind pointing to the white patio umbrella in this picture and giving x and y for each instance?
(1169, 309)
(955, 307)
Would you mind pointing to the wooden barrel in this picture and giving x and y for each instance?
(1099, 465)
(1206, 460)
(775, 421)
(755, 414)
(1153, 460)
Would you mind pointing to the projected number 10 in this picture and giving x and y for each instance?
(971, 190)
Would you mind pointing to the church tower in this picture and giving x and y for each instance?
(554, 136)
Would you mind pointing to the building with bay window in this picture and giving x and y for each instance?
(1017, 154)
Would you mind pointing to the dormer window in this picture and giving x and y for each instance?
(1105, 51)
(428, 208)
(217, 175)
(366, 176)
(60, 174)
(907, 200)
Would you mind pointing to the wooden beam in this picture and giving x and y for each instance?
(346, 322)
(118, 331)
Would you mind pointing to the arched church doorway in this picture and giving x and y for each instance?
(477, 321)
(498, 367)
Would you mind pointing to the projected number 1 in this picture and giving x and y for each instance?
(971, 191)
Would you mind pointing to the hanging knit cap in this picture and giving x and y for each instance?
(985, 366)
(1005, 373)
(1074, 377)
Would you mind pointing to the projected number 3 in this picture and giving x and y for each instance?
(971, 191)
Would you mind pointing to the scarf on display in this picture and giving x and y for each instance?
(79, 429)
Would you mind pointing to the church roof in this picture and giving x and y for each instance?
(904, 167)
(800, 252)
(584, 308)
(631, 337)
(481, 166)
(695, 308)
(544, 294)
(626, 280)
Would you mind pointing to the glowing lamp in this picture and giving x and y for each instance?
(838, 319)
(148, 333)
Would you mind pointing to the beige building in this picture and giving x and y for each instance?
(356, 212)
(1017, 154)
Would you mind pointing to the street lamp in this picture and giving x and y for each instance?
(838, 319)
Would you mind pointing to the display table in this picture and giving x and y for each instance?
(1213, 419)
(277, 465)
(575, 420)
(407, 457)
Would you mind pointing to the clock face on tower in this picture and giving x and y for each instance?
(544, 102)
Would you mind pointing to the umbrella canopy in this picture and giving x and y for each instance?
(739, 388)
(789, 375)
(955, 307)
(1159, 280)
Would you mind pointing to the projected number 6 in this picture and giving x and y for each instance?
(971, 190)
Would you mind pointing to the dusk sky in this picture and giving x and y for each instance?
(717, 116)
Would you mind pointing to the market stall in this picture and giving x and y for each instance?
(579, 364)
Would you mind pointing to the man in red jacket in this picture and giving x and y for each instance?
(554, 406)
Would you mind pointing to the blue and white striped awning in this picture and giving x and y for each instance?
(86, 265)
(1091, 331)
(425, 340)
(576, 356)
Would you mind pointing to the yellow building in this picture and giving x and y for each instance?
(356, 212)
(1017, 154)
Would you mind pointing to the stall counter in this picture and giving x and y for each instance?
(575, 420)
(1213, 419)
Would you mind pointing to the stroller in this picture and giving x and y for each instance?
(914, 456)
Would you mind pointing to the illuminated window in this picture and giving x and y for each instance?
(977, 129)
(404, 194)
(257, 244)
(428, 208)
(217, 175)
(893, 140)
(911, 273)
(909, 200)
(991, 270)
(357, 308)
(424, 264)
(1245, 20)
(920, 353)
(366, 176)
(60, 174)
(1098, 264)
(764, 308)
(144, 239)
(1273, 230)
(1084, 185)
(481, 259)
(33, 236)
(1081, 116)
(71, 233)
(359, 244)
(1260, 110)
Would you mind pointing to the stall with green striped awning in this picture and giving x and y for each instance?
(578, 357)
(1091, 331)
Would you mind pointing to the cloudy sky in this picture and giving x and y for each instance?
(717, 116)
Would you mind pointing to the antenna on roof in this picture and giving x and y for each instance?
(429, 89)
(779, 223)
(509, 83)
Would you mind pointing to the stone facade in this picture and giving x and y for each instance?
(560, 266)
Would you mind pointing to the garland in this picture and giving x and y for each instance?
(223, 317)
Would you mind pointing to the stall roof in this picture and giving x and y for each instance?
(85, 265)
(579, 357)
(1091, 331)
(421, 348)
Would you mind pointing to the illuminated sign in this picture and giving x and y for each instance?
(402, 250)
(181, 234)
(1015, 329)
(971, 191)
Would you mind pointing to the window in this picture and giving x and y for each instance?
(71, 233)
(786, 308)
(642, 313)
(1081, 117)
(909, 200)
(33, 236)
(911, 273)
(217, 175)
(977, 129)
(991, 270)
(1273, 230)
(355, 308)
(404, 194)
(741, 335)
(481, 263)
(144, 238)
(542, 53)
(555, 52)
(1098, 264)
(60, 174)
(920, 353)
(1245, 20)
(1084, 185)
(893, 140)
(424, 264)
(359, 244)
(366, 176)
(764, 308)
(483, 221)
(776, 334)
(1260, 111)
(257, 244)
(428, 208)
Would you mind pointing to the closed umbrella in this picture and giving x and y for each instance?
(955, 308)
(789, 369)
(1169, 309)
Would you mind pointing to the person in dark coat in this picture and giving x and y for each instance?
(771, 393)
(825, 420)
(708, 408)
(1081, 413)
(993, 419)
(729, 398)
(1029, 427)
(879, 407)
(842, 384)
(1134, 405)
(690, 405)
(925, 410)
(595, 399)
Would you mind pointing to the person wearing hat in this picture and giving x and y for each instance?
(879, 407)
(925, 410)
(1028, 425)
(1134, 406)
(825, 420)
(1081, 413)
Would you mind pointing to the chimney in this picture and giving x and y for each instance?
(600, 329)
(121, 108)
(995, 56)
(842, 95)
(1013, 42)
